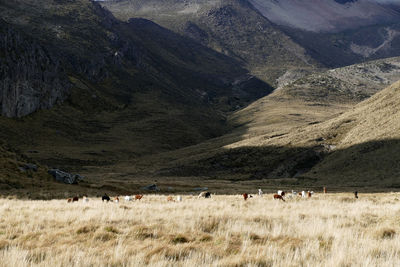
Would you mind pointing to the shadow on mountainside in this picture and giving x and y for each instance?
(374, 164)
(368, 167)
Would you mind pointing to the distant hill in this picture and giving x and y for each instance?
(274, 37)
(232, 27)
(327, 15)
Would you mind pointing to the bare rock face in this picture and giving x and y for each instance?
(30, 77)
(65, 177)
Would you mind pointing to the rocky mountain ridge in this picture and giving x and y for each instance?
(32, 78)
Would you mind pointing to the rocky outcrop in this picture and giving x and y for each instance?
(151, 187)
(65, 177)
(30, 77)
(195, 32)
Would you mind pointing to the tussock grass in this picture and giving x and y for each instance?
(322, 231)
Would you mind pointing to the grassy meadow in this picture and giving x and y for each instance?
(326, 230)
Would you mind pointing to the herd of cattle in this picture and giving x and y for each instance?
(280, 195)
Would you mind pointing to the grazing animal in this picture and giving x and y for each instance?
(245, 196)
(356, 194)
(324, 190)
(169, 198)
(75, 199)
(85, 199)
(69, 200)
(309, 194)
(300, 194)
(105, 198)
(179, 198)
(204, 194)
(277, 196)
(201, 194)
(116, 199)
(281, 193)
(260, 192)
(303, 194)
(138, 197)
(128, 198)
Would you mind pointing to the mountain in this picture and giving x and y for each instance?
(299, 139)
(196, 93)
(349, 84)
(80, 87)
(232, 27)
(273, 37)
(327, 15)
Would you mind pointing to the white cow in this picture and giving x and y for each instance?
(128, 198)
(85, 199)
(303, 194)
(281, 192)
(179, 198)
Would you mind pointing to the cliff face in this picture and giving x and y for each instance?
(31, 77)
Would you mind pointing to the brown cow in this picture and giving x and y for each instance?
(74, 199)
(245, 196)
(276, 196)
(138, 197)
(324, 190)
(169, 198)
(309, 194)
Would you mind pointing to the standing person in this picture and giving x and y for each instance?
(356, 194)
(260, 192)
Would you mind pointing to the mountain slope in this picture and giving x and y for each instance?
(232, 27)
(98, 90)
(272, 37)
(284, 139)
(326, 15)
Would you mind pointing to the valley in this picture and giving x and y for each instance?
(200, 93)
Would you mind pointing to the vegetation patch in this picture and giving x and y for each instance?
(86, 229)
(179, 239)
(111, 229)
(386, 233)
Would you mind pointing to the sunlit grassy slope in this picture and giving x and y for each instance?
(355, 147)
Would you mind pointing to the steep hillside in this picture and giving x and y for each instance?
(326, 15)
(273, 37)
(338, 33)
(343, 85)
(306, 141)
(231, 27)
(91, 90)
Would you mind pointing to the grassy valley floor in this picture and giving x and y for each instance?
(326, 230)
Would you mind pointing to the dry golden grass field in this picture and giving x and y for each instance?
(326, 230)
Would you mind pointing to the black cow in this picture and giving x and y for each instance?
(105, 198)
